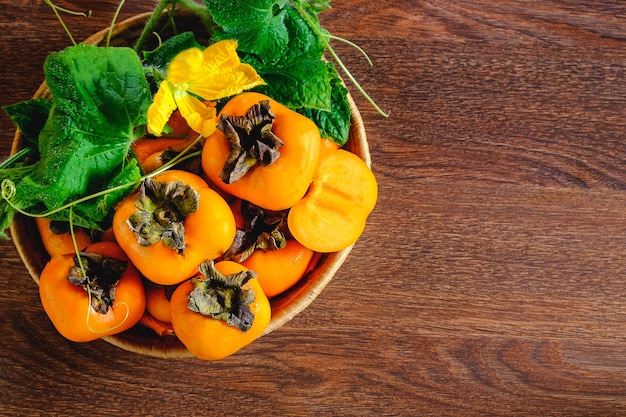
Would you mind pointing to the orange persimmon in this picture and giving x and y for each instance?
(332, 214)
(58, 240)
(157, 303)
(149, 151)
(279, 269)
(328, 146)
(114, 302)
(172, 224)
(212, 329)
(157, 315)
(144, 147)
(272, 179)
(107, 235)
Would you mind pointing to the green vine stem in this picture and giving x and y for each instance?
(115, 16)
(352, 44)
(151, 23)
(8, 189)
(338, 60)
(89, 294)
(198, 10)
(17, 157)
(56, 9)
(190, 5)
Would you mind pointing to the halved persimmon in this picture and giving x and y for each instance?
(332, 214)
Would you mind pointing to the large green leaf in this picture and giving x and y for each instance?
(100, 97)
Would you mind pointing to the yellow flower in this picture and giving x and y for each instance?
(211, 74)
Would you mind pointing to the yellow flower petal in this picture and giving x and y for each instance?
(226, 83)
(222, 54)
(186, 67)
(224, 75)
(200, 117)
(161, 109)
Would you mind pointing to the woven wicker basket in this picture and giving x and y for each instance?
(142, 340)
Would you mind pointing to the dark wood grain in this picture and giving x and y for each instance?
(491, 277)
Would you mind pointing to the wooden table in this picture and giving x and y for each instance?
(490, 278)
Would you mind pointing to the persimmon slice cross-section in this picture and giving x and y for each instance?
(333, 213)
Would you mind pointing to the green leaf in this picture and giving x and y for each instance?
(297, 84)
(103, 90)
(286, 49)
(100, 97)
(315, 6)
(6, 218)
(29, 116)
(258, 26)
(163, 55)
(304, 42)
(299, 78)
(98, 212)
(335, 123)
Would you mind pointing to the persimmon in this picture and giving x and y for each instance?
(218, 312)
(328, 146)
(157, 303)
(279, 269)
(174, 223)
(107, 235)
(178, 127)
(109, 300)
(57, 239)
(333, 213)
(148, 150)
(261, 245)
(257, 228)
(262, 152)
(157, 315)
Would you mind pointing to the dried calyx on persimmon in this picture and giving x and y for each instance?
(262, 229)
(223, 297)
(101, 275)
(162, 209)
(252, 141)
